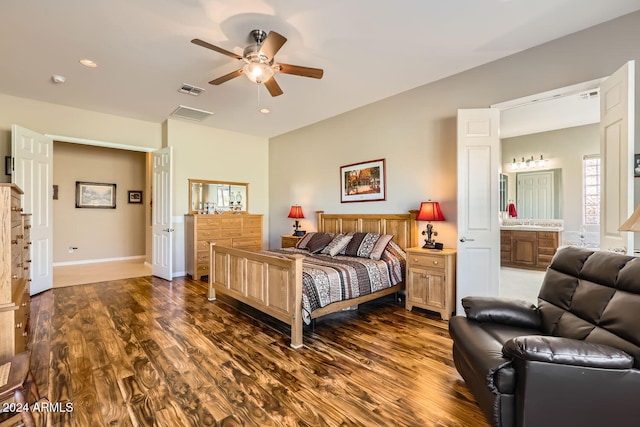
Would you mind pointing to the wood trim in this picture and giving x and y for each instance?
(404, 227)
(273, 283)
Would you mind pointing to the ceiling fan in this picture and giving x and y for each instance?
(259, 62)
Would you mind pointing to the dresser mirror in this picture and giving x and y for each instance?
(210, 197)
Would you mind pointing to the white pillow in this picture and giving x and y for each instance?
(337, 244)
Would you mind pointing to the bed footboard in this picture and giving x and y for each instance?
(271, 284)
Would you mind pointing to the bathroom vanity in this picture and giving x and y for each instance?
(529, 244)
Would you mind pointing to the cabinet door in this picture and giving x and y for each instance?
(525, 248)
(426, 288)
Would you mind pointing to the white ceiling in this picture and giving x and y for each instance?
(369, 50)
(561, 108)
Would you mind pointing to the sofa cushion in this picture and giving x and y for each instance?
(593, 296)
(502, 310)
(481, 346)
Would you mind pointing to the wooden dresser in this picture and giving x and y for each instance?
(236, 230)
(14, 272)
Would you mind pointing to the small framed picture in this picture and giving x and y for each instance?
(8, 165)
(135, 196)
(636, 166)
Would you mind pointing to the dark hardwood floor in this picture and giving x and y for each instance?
(147, 352)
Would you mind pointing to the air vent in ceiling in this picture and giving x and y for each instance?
(191, 113)
(190, 89)
(590, 93)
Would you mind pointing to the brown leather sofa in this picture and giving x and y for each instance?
(574, 360)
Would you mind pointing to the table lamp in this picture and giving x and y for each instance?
(430, 211)
(633, 223)
(296, 213)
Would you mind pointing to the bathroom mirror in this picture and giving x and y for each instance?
(209, 197)
(537, 194)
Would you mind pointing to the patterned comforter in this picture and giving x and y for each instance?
(327, 279)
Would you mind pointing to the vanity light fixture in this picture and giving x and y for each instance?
(529, 163)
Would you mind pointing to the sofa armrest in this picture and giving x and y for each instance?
(502, 310)
(566, 351)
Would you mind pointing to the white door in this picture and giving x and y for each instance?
(535, 195)
(33, 173)
(478, 260)
(162, 228)
(617, 142)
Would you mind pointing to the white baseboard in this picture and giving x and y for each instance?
(93, 261)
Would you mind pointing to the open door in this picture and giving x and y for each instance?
(617, 106)
(161, 217)
(478, 261)
(33, 172)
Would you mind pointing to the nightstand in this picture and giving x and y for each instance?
(289, 241)
(431, 280)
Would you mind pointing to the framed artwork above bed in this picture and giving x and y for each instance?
(363, 182)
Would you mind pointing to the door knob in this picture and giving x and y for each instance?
(168, 230)
(464, 239)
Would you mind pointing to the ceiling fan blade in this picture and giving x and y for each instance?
(227, 77)
(215, 48)
(297, 70)
(273, 87)
(272, 44)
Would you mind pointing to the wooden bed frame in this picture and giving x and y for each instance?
(273, 284)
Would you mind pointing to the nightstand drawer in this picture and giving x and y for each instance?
(426, 260)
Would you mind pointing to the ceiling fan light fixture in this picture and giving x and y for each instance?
(258, 72)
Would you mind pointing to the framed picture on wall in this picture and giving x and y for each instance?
(135, 196)
(95, 195)
(363, 182)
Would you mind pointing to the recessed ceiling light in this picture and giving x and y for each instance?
(264, 110)
(88, 63)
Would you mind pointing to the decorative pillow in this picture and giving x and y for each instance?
(380, 246)
(361, 245)
(302, 243)
(337, 244)
(318, 242)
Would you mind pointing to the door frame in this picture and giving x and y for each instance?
(106, 144)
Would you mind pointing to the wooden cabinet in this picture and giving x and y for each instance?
(548, 242)
(289, 241)
(528, 249)
(236, 230)
(14, 272)
(431, 280)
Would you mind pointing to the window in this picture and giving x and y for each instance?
(591, 194)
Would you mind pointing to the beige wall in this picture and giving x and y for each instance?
(564, 149)
(59, 120)
(99, 234)
(201, 152)
(415, 131)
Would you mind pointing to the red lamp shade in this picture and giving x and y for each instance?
(430, 211)
(296, 212)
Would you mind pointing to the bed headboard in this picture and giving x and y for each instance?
(403, 226)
